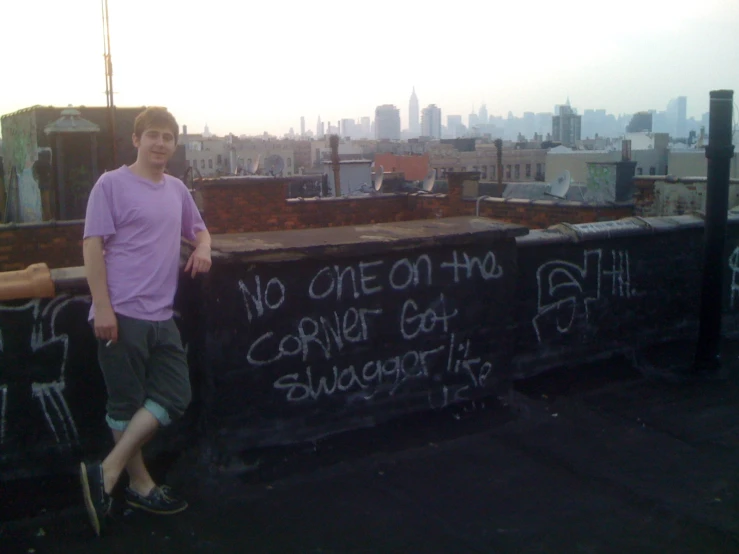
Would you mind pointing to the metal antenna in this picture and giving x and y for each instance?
(109, 82)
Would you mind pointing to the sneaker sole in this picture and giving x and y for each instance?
(89, 505)
(134, 504)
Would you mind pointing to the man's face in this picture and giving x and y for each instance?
(156, 146)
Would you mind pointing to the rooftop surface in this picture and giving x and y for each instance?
(594, 459)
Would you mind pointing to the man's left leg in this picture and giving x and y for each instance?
(139, 478)
(168, 395)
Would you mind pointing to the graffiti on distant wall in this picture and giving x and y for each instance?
(20, 152)
(601, 182)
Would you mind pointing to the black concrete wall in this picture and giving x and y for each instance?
(435, 332)
(297, 350)
(52, 393)
(585, 290)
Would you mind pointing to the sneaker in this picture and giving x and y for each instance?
(160, 501)
(97, 501)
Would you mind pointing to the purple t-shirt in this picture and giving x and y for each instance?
(141, 223)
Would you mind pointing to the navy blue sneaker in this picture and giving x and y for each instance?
(97, 501)
(160, 501)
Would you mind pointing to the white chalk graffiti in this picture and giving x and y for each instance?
(487, 267)
(565, 290)
(734, 266)
(329, 334)
(274, 290)
(48, 393)
(366, 380)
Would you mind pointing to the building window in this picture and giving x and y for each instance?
(202, 163)
(528, 170)
(517, 171)
(289, 162)
(639, 171)
(508, 172)
(220, 159)
(484, 172)
(653, 171)
(539, 172)
(210, 163)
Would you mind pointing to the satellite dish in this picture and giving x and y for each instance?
(274, 165)
(561, 185)
(428, 182)
(379, 175)
(253, 167)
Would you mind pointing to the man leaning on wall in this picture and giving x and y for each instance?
(136, 216)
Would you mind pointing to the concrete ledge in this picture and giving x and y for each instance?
(41, 224)
(581, 232)
(675, 223)
(364, 239)
(68, 279)
(544, 237)
(331, 199)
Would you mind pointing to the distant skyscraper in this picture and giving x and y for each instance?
(431, 121)
(473, 119)
(682, 117)
(319, 129)
(677, 117)
(348, 128)
(366, 127)
(483, 114)
(413, 125)
(454, 125)
(302, 126)
(566, 126)
(387, 122)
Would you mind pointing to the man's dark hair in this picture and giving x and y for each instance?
(155, 117)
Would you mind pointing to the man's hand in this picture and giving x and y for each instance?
(106, 324)
(199, 261)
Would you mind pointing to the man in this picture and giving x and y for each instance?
(136, 216)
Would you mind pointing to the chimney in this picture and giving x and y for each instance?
(334, 143)
(499, 147)
(625, 150)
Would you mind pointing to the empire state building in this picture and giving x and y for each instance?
(413, 124)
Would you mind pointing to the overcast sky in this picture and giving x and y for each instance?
(249, 67)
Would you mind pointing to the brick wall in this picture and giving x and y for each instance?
(247, 205)
(643, 196)
(660, 196)
(58, 244)
(540, 214)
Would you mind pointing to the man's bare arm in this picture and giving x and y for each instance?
(106, 324)
(200, 261)
(202, 238)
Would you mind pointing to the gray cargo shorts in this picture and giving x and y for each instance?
(146, 368)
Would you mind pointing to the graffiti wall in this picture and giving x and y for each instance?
(288, 345)
(20, 151)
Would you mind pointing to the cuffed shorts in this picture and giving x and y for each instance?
(146, 368)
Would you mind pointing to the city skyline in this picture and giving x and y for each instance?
(686, 50)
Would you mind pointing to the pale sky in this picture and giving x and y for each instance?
(249, 67)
